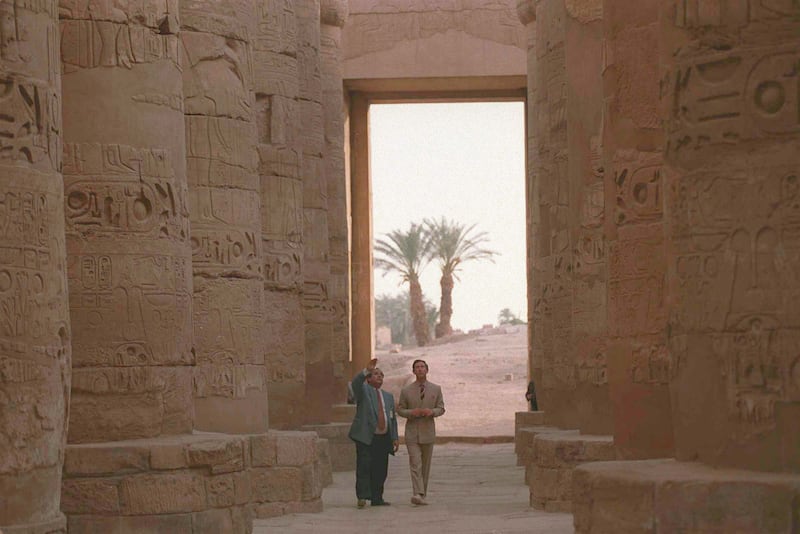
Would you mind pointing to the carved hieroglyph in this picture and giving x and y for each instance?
(230, 381)
(34, 321)
(127, 220)
(276, 85)
(730, 92)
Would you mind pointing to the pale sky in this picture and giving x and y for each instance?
(466, 162)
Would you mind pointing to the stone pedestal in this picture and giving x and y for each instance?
(555, 457)
(202, 482)
(342, 448)
(523, 445)
(522, 422)
(650, 496)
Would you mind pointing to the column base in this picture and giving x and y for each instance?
(200, 482)
(556, 454)
(524, 420)
(342, 448)
(648, 496)
(343, 413)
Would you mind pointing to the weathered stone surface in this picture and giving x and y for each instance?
(162, 494)
(296, 448)
(89, 497)
(88, 460)
(341, 447)
(220, 455)
(277, 484)
(264, 450)
(651, 495)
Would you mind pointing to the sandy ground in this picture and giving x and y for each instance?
(483, 381)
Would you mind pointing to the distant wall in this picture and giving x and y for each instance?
(433, 38)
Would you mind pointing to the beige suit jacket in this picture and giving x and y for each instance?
(420, 429)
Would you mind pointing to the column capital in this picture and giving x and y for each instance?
(334, 12)
(526, 11)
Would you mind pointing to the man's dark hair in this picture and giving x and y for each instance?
(417, 361)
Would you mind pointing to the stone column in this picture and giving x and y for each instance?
(634, 226)
(552, 286)
(35, 329)
(230, 383)
(333, 16)
(127, 222)
(731, 108)
(584, 109)
(276, 87)
(318, 310)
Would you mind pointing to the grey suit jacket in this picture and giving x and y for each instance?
(366, 420)
(420, 429)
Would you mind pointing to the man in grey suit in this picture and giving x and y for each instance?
(420, 402)
(374, 430)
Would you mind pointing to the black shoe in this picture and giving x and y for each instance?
(381, 503)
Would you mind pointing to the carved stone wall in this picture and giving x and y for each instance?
(333, 14)
(34, 318)
(730, 104)
(127, 221)
(230, 379)
(276, 86)
(638, 361)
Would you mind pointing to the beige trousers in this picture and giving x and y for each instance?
(419, 460)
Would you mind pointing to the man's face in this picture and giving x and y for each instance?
(420, 370)
(376, 379)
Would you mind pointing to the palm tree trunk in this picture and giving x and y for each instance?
(445, 306)
(418, 316)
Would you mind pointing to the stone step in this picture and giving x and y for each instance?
(649, 496)
(555, 456)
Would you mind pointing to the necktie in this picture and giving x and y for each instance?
(422, 392)
(381, 413)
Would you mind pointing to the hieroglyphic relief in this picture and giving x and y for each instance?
(113, 33)
(732, 97)
(697, 13)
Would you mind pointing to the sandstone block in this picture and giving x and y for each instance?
(89, 496)
(221, 491)
(82, 460)
(277, 484)
(670, 496)
(568, 450)
(243, 488)
(221, 455)
(162, 494)
(264, 450)
(324, 461)
(296, 448)
(168, 456)
(312, 482)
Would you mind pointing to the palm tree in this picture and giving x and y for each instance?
(452, 244)
(407, 253)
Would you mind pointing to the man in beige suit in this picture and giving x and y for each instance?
(420, 402)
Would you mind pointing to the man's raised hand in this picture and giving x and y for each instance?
(373, 363)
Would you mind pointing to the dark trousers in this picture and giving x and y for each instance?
(372, 464)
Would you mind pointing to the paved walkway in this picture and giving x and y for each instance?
(473, 489)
